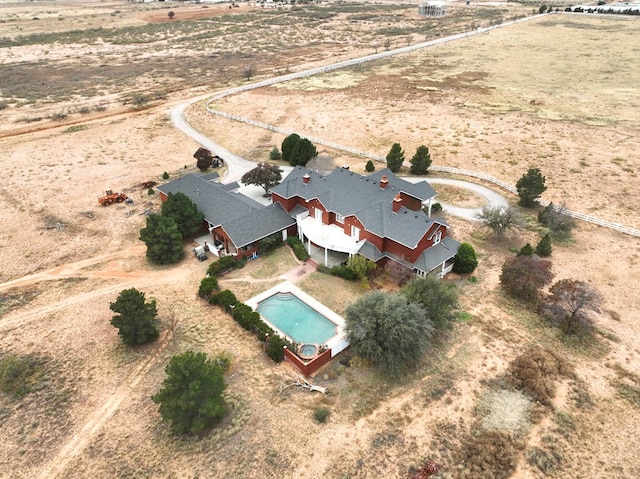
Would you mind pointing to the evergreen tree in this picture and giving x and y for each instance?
(395, 158)
(137, 320)
(544, 248)
(163, 240)
(530, 186)
(184, 212)
(274, 154)
(302, 152)
(369, 168)
(465, 260)
(288, 145)
(421, 161)
(191, 395)
(526, 250)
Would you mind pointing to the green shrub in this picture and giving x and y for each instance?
(275, 348)
(544, 247)
(465, 260)
(224, 265)
(207, 286)
(369, 167)
(321, 414)
(298, 248)
(225, 298)
(245, 316)
(150, 191)
(270, 243)
(436, 208)
(19, 374)
(165, 176)
(526, 250)
(274, 154)
(344, 272)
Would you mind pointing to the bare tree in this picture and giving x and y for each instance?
(171, 14)
(499, 220)
(321, 164)
(249, 71)
(569, 304)
(555, 218)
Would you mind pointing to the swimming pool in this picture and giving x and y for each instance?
(296, 319)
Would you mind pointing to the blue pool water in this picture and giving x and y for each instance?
(296, 319)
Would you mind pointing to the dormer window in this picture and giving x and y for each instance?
(437, 238)
(355, 232)
(339, 218)
(318, 214)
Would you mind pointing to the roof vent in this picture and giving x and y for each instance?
(306, 178)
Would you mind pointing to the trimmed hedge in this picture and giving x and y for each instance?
(298, 248)
(275, 348)
(340, 271)
(270, 243)
(207, 286)
(225, 264)
(226, 299)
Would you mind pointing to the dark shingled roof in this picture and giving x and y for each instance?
(433, 257)
(258, 224)
(218, 205)
(347, 193)
(244, 220)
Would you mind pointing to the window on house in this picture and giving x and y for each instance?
(339, 218)
(355, 232)
(318, 214)
(437, 238)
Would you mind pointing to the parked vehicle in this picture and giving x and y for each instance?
(200, 253)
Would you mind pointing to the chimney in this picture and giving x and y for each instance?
(306, 178)
(345, 167)
(397, 203)
(384, 181)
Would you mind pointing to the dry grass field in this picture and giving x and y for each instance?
(85, 91)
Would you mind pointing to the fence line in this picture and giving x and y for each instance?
(377, 56)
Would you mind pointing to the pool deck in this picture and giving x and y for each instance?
(338, 342)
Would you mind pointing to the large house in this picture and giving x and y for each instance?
(236, 222)
(379, 216)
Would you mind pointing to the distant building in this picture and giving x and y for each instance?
(432, 9)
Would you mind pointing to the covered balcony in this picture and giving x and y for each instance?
(330, 238)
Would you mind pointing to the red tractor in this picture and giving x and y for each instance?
(111, 197)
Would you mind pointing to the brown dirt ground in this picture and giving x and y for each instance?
(477, 105)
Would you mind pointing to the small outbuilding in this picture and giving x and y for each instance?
(432, 9)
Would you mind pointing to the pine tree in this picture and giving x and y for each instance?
(184, 212)
(421, 161)
(526, 250)
(288, 145)
(163, 240)
(137, 320)
(369, 168)
(395, 158)
(530, 186)
(544, 248)
(191, 395)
